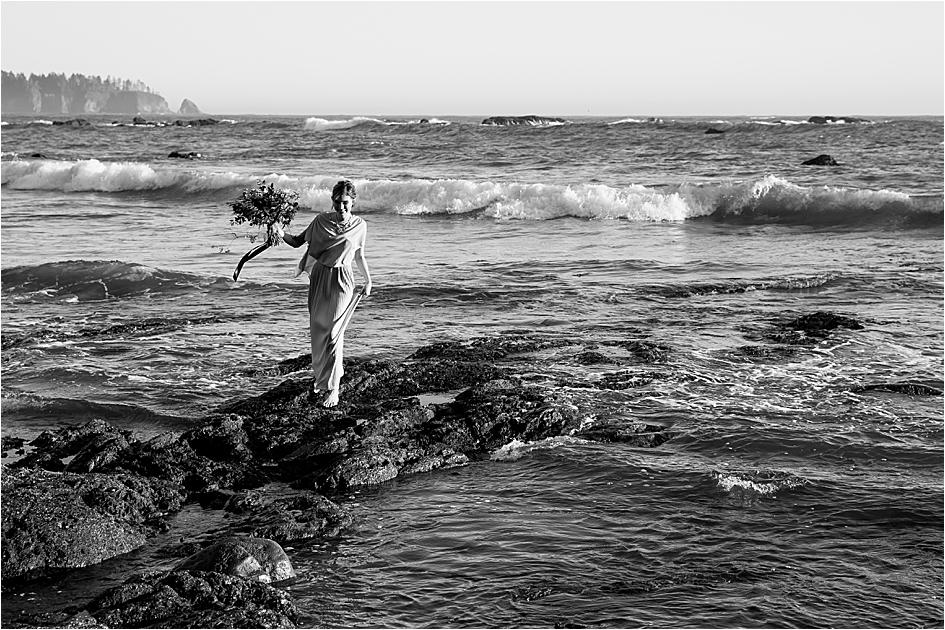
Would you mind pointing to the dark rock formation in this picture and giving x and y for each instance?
(910, 389)
(196, 122)
(189, 108)
(75, 122)
(193, 599)
(247, 557)
(53, 521)
(821, 160)
(532, 120)
(112, 489)
(38, 156)
(811, 328)
(184, 155)
(712, 130)
(823, 120)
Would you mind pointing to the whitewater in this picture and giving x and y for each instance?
(802, 482)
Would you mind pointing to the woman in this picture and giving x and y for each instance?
(334, 240)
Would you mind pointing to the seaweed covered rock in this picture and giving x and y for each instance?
(194, 599)
(53, 521)
(247, 557)
(811, 328)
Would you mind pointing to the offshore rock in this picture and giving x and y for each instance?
(821, 160)
(823, 120)
(714, 131)
(193, 599)
(184, 155)
(247, 557)
(531, 120)
(188, 108)
(908, 388)
(53, 521)
(197, 122)
(303, 517)
(75, 122)
(811, 328)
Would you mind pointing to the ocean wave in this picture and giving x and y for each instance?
(516, 449)
(321, 124)
(770, 199)
(728, 287)
(85, 281)
(19, 407)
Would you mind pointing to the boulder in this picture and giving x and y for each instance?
(811, 328)
(712, 130)
(138, 120)
(821, 160)
(258, 559)
(53, 521)
(193, 599)
(188, 108)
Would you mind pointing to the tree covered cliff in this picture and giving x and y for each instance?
(76, 94)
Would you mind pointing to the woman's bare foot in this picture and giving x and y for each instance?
(331, 399)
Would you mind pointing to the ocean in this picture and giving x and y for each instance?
(802, 485)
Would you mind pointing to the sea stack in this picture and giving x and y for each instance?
(189, 108)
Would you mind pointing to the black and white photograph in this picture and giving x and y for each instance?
(472, 314)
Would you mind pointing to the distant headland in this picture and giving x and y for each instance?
(79, 94)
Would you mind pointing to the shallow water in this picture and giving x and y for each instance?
(787, 497)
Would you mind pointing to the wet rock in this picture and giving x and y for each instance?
(252, 558)
(185, 155)
(53, 521)
(488, 416)
(820, 160)
(646, 351)
(138, 120)
(75, 122)
(93, 446)
(304, 517)
(626, 379)
(9, 443)
(811, 328)
(39, 156)
(488, 348)
(910, 389)
(530, 120)
(590, 357)
(194, 599)
(713, 130)
(196, 122)
(823, 120)
(637, 434)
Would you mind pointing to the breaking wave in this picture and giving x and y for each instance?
(757, 482)
(767, 200)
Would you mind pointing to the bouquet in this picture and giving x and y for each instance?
(264, 206)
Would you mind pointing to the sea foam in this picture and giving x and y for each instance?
(770, 199)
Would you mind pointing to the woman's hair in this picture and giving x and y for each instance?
(344, 187)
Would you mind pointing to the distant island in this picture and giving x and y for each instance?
(78, 94)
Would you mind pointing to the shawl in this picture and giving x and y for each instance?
(330, 243)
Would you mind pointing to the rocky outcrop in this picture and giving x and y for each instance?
(112, 490)
(53, 521)
(532, 120)
(714, 131)
(258, 559)
(821, 160)
(824, 120)
(77, 94)
(193, 599)
(810, 329)
(197, 122)
(907, 388)
(184, 155)
(188, 108)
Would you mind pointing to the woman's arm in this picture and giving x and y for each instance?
(363, 266)
(294, 241)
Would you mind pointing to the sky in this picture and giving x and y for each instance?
(669, 58)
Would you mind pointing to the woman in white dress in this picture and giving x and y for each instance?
(334, 240)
